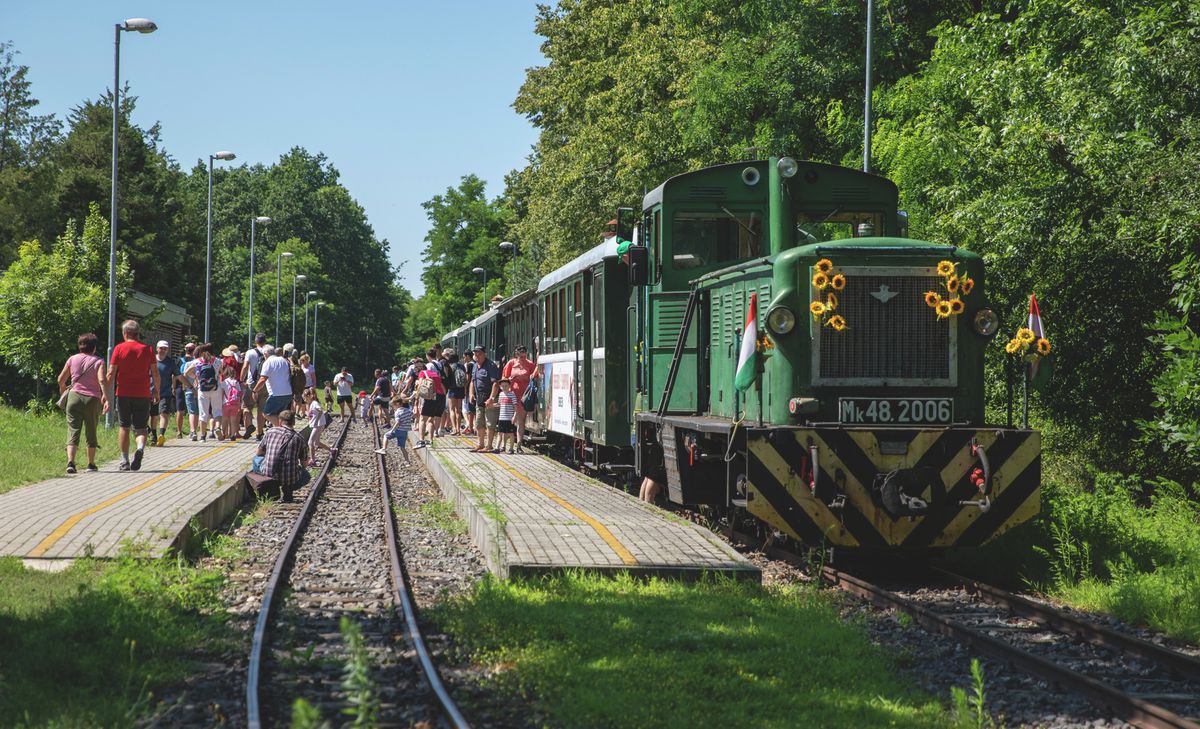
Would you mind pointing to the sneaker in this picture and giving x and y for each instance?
(511, 451)
(137, 460)
(204, 437)
(496, 450)
(70, 466)
(195, 437)
(162, 440)
(249, 432)
(420, 444)
(520, 450)
(124, 466)
(91, 467)
(381, 451)
(179, 434)
(312, 463)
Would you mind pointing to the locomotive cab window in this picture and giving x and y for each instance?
(836, 225)
(722, 237)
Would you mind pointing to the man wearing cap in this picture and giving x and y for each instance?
(276, 377)
(252, 401)
(168, 370)
(485, 385)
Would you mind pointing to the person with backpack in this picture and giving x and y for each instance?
(432, 394)
(298, 379)
(276, 379)
(208, 390)
(231, 399)
(456, 389)
(252, 400)
(519, 371)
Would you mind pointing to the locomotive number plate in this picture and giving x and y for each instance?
(895, 410)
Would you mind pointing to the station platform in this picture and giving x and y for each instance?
(95, 514)
(530, 515)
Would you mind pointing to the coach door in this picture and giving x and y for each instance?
(580, 312)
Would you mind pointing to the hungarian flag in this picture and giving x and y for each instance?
(747, 367)
(1041, 367)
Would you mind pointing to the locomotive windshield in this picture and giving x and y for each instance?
(834, 224)
(704, 239)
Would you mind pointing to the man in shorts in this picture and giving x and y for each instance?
(133, 369)
(276, 377)
(485, 386)
(345, 393)
(185, 394)
(252, 401)
(168, 368)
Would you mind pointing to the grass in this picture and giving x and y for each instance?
(92, 645)
(440, 514)
(34, 447)
(599, 652)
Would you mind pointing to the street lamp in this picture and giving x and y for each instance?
(208, 266)
(278, 279)
(867, 95)
(297, 277)
(505, 246)
(478, 271)
(260, 220)
(316, 310)
(306, 295)
(140, 25)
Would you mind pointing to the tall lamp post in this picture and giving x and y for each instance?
(867, 102)
(208, 266)
(306, 295)
(139, 25)
(316, 310)
(506, 246)
(278, 280)
(477, 271)
(259, 220)
(297, 277)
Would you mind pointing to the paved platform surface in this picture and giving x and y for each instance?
(93, 513)
(531, 515)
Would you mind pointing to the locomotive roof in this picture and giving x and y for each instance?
(579, 263)
(655, 196)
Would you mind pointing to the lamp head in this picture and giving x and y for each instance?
(477, 271)
(312, 293)
(262, 220)
(507, 245)
(301, 277)
(285, 254)
(225, 155)
(141, 25)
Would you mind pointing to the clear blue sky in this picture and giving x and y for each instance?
(404, 97)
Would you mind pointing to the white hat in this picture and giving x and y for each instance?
(268, 349)
(162, 343)
(288, 347)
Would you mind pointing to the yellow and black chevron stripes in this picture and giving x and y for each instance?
(848, 461)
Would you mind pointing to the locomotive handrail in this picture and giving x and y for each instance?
(731, 269)
(886, 249)
(692, 304)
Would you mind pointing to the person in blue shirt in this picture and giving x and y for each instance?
(485, 386)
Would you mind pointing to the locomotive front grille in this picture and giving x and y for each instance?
(892, 336)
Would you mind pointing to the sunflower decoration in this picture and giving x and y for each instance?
(956, 284)
(1027, 342)
(1043, 346)
(1026, 335)
(826, 282)
(764, 344)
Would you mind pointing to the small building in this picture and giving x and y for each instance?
(160, 319)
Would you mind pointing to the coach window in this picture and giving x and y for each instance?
(562, 320)
(704, 239)
(598, 309)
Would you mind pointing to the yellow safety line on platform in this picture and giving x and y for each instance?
(45, 545)
(625, 555)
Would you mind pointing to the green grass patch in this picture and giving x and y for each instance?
(35, 447)
(599, 652)
(440, 514)
(94, 645)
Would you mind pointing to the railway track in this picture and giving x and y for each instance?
(1137, 681)
(341, 560)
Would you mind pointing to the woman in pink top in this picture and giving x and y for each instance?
(519, 370)
(86, 400)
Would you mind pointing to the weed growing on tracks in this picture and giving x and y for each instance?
(440, 514)
(356, 678)
(970, 710)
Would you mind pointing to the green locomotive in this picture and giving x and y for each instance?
(864, 426)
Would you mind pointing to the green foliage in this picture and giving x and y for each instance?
(33, 446)
(361, 693)
(970, 710)
(47, 299)
(307, 716)
(595, 651)
(1176, 428)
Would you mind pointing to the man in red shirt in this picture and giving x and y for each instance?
(134, 369)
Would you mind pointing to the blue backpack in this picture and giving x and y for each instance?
(206, 376)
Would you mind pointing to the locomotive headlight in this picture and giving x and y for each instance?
(787, 167)
(781, 320)
(986, 322)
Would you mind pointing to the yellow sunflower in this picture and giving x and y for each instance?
(957, 306)
(837, 322)
(838, 282)
(945, 268)
(967, 284)
(820, 281)
(1026, 335)
(952, 283)
(824, 265)
(1043, 346)
(944, 310)
(831, 301)
(1013, 346)
(932, 299)
(817, 309)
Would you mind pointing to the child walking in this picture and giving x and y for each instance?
(316, 424)
(402, 419)
(231, 399)
(507, 400)
(364, 407)
(328, 396)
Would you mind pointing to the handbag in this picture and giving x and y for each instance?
(62, 400)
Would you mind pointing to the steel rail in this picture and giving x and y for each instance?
(1172, 660)
(259, 642)
(1134, 710)
(402, 592)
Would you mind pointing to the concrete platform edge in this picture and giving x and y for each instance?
(485, 533)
